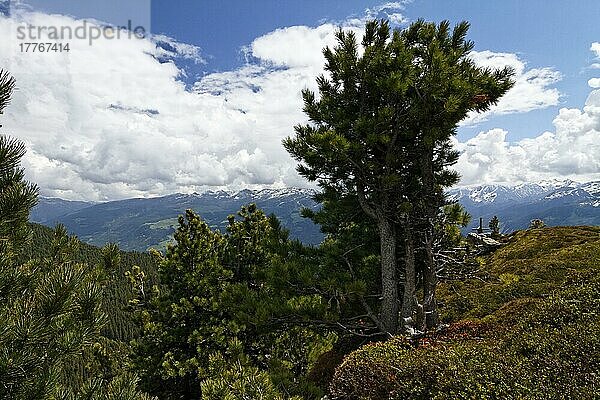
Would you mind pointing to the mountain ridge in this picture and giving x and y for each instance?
(556, 202)
(141, 223)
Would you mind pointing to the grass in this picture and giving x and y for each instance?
(532, 265)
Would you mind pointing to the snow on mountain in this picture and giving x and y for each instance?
(564, 192)
(554, 184)
(591, 188)
(557, 202)
(137, 224)
(549, 190)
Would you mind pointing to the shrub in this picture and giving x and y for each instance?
(539, 337)
(369, 372)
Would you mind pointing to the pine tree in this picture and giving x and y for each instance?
(216, 323)
(17, 196)
(379, 135)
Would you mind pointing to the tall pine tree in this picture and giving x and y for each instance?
(379, 135)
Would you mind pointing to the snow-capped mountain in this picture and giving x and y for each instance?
(137, 224)
(556, 202)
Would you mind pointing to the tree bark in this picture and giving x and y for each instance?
(430, 280)
(389, 279)
(388, 315)
(409, 301)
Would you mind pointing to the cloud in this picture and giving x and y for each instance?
(532, 90)
(293, 47)
(594, 83)
(393, 11)
(169, 49)
(571, 151)
(114, 120)
(595, 47)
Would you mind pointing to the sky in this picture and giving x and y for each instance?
(203, 100)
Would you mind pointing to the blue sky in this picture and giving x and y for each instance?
(544, 32)
(222, 79)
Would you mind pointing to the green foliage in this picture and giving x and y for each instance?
(113, 264)
(217, 323)
(52, 317)
(378, 140)
(369, 373)
(7, 85)
(122, 387)
(536, 224)
(50, 313)
(17, 196)
(532, 264)
(117, 290)
(534, 341)
(452, 217)
(234, 377)
(494, 226)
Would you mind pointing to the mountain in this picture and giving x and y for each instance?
(555, 202)
(138, 224)
(49, 209)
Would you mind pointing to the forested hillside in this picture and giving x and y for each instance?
(114, 263)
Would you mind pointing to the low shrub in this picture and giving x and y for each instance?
(538, 336)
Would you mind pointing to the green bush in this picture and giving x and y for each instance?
(369, 372)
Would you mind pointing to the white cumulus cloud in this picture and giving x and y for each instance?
(533, 88)
(571, 151)
(594, 83)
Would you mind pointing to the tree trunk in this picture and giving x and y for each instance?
(389, 279)
(409, 301)
(430, 282)
(389, 264)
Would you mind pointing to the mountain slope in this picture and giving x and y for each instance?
(527, 328)
(49, 209)
(137, 224)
